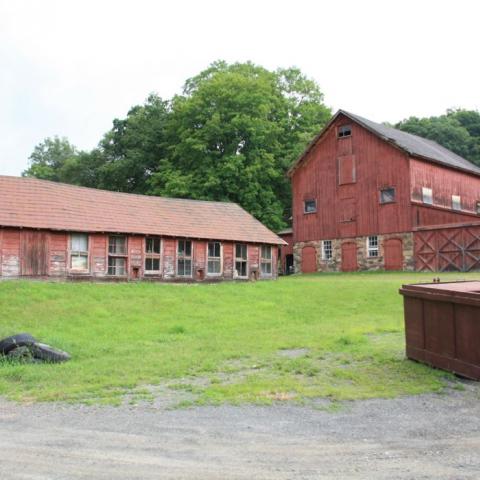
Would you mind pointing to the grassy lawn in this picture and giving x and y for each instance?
(227, 342)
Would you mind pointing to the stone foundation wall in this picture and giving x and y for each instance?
(364, 262)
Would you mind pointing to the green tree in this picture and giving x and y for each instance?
(458, 130)
(49, 157)
(233, 134)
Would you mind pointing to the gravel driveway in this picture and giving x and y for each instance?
(428, 436)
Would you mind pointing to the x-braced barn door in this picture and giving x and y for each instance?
(33, 253)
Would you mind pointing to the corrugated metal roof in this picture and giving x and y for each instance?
(33, 203)
(412, 144)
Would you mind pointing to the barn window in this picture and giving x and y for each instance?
(117, 245)
(344, 131)
(456, 202)
(387, 195)
(117, 252)
(152, 254)
(241, 260)
(214, 261)
(327, 251)
(310, 206)
(477, 207)
(427, 195)
(372, 246)
(266, 259)
(184, 258)
(79, 251)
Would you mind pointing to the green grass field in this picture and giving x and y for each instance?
(225, 342)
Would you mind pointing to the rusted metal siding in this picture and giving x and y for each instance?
(448, 248)
(353, 208)
(442, 326)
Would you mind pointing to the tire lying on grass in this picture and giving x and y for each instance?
(20, 340)
(42, 351)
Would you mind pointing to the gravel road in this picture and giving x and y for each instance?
(428, 436)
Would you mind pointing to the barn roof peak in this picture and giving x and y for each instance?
(412, 144)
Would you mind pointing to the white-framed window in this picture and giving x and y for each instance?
(372, 246)
(344, 131)
(79, 252)
(214, 258)
(184, 258)
(153, 249)
(117, 255)
(456, 202)
(427, 196)
(310, 206)
(266, 259)
(387, 195)
(241, 260)
(327, 250)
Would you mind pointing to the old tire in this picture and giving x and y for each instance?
(45, 352)
(20, 340)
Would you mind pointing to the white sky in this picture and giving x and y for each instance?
(69, 67)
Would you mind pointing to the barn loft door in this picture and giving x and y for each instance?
(33, 252)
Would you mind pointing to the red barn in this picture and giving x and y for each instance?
(367, 196)
(50, 229)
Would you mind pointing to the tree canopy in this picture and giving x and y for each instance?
(230, 136)
(458, 130)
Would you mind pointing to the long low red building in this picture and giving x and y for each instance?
(49, 229)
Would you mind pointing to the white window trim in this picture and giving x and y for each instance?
(266, 261)
(185, 258)
(152, 255)
(72, 253)
(207, 258)
(324, 257)
(427, 192)
(373, 249)
(235, 273)
(455, 198)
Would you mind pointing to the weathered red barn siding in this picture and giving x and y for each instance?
(27, 252)
(350, 209)
(444, 183)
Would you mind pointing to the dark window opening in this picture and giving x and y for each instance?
(344, 131)
(184, 258)
(310, 206)
(387, 195)
(241, 259)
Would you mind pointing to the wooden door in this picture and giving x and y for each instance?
(393, 252)
(309, 260)
(34, 253)
(349, 257)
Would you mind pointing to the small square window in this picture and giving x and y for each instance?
(344, 131)
(327, 250)
(427, 196)
(456, 202)
(310, 206)
(387, 195)
(372, 246)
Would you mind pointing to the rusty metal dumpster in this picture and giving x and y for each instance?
(442, 325)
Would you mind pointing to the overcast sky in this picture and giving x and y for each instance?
(68, 68)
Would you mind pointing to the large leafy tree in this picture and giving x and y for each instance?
(458, 130)
(233, 134)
